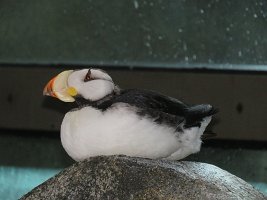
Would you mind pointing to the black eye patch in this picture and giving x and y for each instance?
(88, 76)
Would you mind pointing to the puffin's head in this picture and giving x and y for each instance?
(90, 84)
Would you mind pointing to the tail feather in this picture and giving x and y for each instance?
(208, 135)
(201, 111)
(195, 114)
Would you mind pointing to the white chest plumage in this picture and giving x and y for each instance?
(119, 130)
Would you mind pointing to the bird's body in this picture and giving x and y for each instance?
(134, 122)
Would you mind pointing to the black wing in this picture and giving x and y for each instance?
(162, 108)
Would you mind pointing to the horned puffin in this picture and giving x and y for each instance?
(133, 122)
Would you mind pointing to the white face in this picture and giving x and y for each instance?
(91, 84)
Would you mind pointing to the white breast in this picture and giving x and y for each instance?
(89, 132)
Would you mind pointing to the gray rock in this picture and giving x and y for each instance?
(121, 177)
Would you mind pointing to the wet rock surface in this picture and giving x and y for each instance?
(122, 177)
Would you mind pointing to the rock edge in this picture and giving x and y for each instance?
(122, 177)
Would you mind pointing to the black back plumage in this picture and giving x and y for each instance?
(160, 108)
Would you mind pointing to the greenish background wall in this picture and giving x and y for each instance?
(221, 34)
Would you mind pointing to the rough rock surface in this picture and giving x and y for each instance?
(121, 177)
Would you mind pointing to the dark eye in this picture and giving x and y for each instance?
(88, 76)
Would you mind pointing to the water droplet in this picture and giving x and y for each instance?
(136, 5)
(255, 15)
(147, 44)
(240, 53)
(186, 58)
(180, 30)
(202, 11)
(185, 47)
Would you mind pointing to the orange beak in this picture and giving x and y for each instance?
(48, 90)
(58, 87)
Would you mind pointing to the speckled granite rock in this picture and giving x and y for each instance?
(121, 177)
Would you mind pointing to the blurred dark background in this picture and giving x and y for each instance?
(210, 51)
